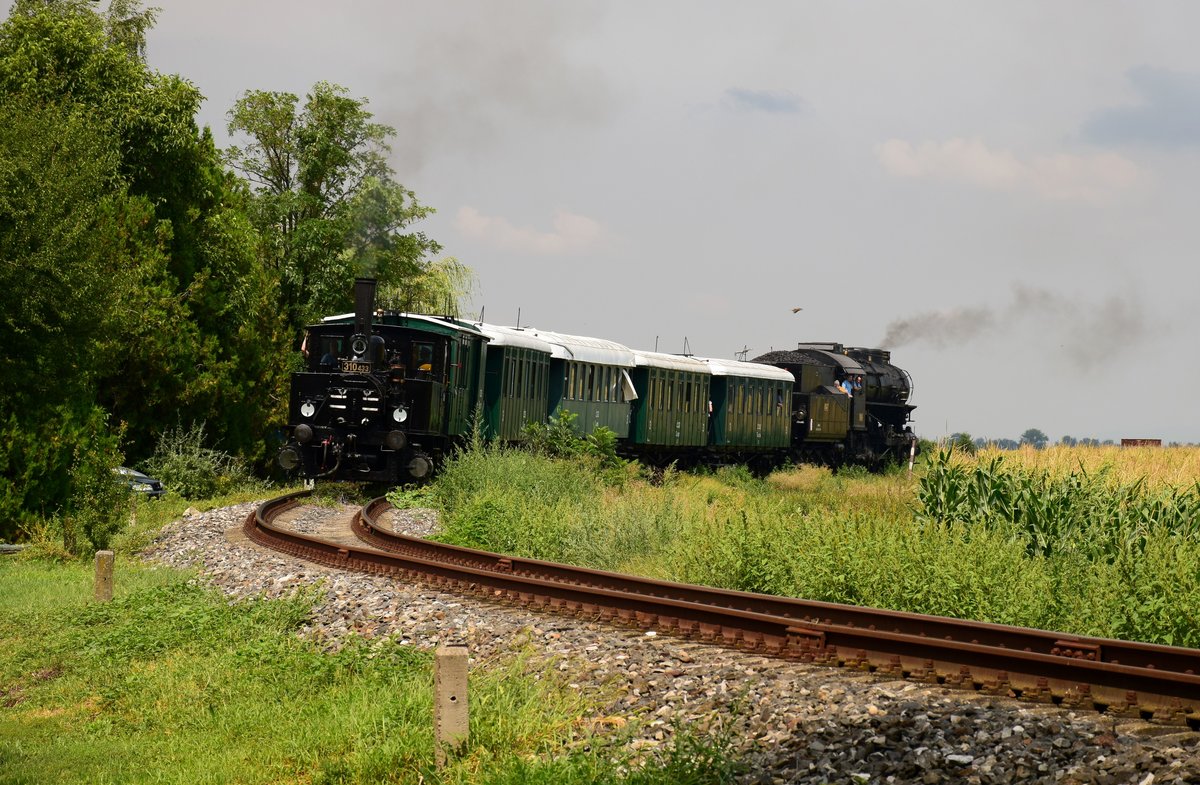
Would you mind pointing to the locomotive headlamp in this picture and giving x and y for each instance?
(359, 345)
(307, 409)
(289, 458)
(400, 414)
(303, 433)
(395, 440)
(420, 467)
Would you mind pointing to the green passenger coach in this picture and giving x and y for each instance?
(751, 406)
(672, 405)
(515, 382)
(589, 377)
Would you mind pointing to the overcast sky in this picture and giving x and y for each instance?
(1004, 194)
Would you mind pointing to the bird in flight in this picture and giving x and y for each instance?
(797, 310)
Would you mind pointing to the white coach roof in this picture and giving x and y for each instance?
(561, 346)
(671, 362)
(747, 370)
(512, 336)
(583, 349)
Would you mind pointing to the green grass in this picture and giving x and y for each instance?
(1072, 552)
(170, 683)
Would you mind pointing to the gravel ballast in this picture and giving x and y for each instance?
(793, 723)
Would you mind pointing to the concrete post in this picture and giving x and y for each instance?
(104, 576)
(450, 719)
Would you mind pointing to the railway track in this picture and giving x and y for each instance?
(1125, 679)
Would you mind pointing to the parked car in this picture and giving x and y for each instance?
(141, 483)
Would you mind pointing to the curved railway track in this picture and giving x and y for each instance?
(1128, 679)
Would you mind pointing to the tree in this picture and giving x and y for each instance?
(203, 341)
(129, 277)
(1034, 438)
(325, 200)
(69, 264)
(962, 442)
(1068, 441)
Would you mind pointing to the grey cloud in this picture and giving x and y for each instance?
(770, 101)
(1167, 114)
(471, 76)
(1088, 333)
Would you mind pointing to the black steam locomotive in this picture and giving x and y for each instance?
(386, 396)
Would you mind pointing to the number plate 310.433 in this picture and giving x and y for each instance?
(350, 366)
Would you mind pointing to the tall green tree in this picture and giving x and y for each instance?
(133, 296)
(71, 264)
(325, 198)
(209, 338)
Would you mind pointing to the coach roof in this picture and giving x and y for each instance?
(749, 370)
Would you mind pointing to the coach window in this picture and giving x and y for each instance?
(422, 355)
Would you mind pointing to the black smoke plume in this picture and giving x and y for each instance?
(1087, 332)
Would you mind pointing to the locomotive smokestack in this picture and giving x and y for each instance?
(364, 305)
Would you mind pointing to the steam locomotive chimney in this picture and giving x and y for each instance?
(364, 305)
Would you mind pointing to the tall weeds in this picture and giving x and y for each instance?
(1084, 551)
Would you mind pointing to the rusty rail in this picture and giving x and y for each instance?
(1121, 677)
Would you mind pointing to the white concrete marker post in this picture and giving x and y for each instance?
(450, 718)
(104, 576)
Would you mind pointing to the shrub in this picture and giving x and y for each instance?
(56, 473)
(557, 438)
(186, 467)
(100, 499)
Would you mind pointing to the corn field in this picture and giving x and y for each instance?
(1095, 513)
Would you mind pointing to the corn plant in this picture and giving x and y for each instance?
(1077, 511)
